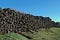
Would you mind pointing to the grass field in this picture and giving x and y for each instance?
(47, 34)
(12, 36)
(42, 34)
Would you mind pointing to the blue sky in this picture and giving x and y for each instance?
(46, 8)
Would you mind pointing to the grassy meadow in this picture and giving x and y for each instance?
(47, 34)
(12, 36)
(42, 34)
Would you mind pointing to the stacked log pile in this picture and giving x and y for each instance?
(12, 21)
(57, 24)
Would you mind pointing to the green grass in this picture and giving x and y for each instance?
(12, 36)
(47, 34)
(42, 34)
